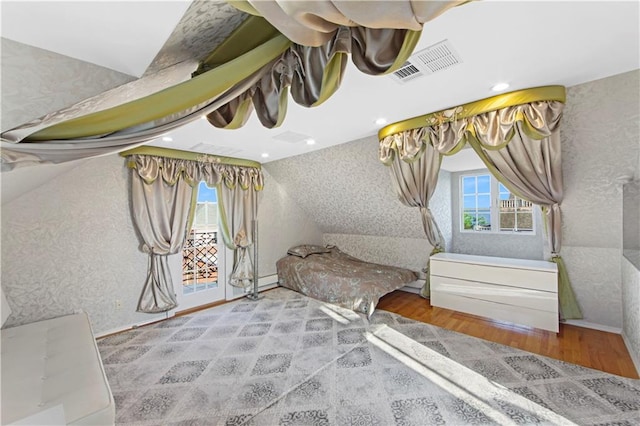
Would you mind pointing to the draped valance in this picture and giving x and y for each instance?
(491, 122)
(209, 169)
(254, 68)
(517, 137)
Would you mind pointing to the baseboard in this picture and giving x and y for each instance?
(410, 289)
(594, 326)
(130, 327)
(635, 358)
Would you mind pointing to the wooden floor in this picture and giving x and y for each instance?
(590, 348)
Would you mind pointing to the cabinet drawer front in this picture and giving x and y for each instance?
(514, 314)
(506, 295)
(526, 278)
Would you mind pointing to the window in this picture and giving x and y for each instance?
(200, 252)
(487, 205)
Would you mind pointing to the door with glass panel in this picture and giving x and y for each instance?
(201, 255)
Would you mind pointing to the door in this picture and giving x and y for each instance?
(202, 255)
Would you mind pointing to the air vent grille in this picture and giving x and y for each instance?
(438, 57)
(208, 148)
(291, 137)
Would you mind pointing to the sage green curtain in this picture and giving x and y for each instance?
(162, 190)
(520, 144)
(161, 213)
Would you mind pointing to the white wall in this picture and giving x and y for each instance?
(70, 244)
(281, 225)
(600, 135)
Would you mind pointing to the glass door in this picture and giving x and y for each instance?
(202, 263)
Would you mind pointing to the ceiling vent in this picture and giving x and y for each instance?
(434, 58)
(207, 148)
(291, 137)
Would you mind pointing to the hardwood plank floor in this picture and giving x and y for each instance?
(590, 348)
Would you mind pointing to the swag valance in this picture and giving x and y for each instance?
(164, 191)
(253, 69)
(208, 169)
(517, 137)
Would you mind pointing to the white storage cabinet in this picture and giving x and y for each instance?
(514, 290)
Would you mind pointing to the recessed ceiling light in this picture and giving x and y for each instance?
(311, 141)
(265, 155)
(380, 121)
(500, 87)
(167, 139)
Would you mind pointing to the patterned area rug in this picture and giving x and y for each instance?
(291, 360)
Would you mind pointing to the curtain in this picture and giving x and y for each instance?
(162, 189)
(161, 213)
(254, 68)
(520, 144)
(414, 183)
(238, 209)
(313, 23)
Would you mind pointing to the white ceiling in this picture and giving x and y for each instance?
(526, 44)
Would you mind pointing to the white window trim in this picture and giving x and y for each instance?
(494, 209)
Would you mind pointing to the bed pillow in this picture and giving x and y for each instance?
(307, 249)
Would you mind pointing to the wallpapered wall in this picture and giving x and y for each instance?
(70, 244)
(347, 192)
(493, 244)
(600, 136)
(281, 224)
(36, 82)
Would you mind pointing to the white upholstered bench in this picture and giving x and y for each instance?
(52, 369)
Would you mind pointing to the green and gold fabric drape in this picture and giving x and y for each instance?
(162, 199)
(517, 136)
(254, 68)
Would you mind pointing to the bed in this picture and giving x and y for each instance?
(330, 275)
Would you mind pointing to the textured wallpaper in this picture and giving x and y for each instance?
(600, 146)
(28, 92)
(347, 192)
(281, 225)
(631, 308)
(70, 244)
(493, 244)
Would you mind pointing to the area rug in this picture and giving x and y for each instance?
(291, 360)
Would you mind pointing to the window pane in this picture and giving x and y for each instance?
(468, 220)
(525, 221)
(502, 188)
(507, 221)
(484, 220)
(469, 202)
(469, 185)
(484, 184)
(484, 201)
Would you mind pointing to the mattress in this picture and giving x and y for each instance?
(51, 363)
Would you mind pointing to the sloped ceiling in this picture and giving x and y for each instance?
(346, 190)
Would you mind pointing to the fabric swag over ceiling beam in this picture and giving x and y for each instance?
(163, 190)
(253, 69)
(517, 136)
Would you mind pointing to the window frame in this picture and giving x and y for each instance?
(494, 207)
